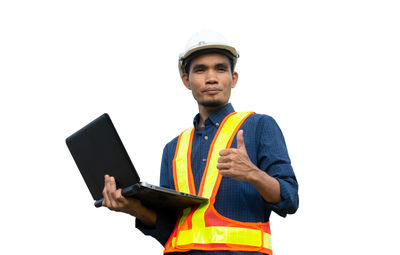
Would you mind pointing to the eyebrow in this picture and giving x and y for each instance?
(199, 66)
(218, 65)
(223, 65)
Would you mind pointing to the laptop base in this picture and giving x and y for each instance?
(158, 198)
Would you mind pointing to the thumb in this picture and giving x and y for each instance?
(240, 141)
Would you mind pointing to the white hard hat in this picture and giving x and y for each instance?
(206, 39)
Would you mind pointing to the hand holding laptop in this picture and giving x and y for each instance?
(98, 151)
(115, 201)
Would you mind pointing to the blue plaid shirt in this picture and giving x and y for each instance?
(236, 200)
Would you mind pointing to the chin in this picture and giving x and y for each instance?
(212, 103)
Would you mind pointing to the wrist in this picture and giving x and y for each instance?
(255, 176)
(135, 207)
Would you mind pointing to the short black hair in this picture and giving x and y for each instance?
(188, 60)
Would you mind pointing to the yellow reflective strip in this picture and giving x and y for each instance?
(267, 241)
(198, 216)
(185, 213)
(228, 235)
(182, 171)
(220, 144)
(212, 173)
(181, 162)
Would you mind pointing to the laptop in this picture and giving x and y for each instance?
(98, 150)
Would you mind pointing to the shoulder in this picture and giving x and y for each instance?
(262, 127)
(261, 117)
(172, 142)
(261, 121)
(170, 146)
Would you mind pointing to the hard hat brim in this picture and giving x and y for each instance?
(197, 48)
(227, 47)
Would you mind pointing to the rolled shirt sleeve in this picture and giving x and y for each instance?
(273, 158)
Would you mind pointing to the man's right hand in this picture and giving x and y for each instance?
(115, 201)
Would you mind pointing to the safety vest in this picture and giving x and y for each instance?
(202, 227)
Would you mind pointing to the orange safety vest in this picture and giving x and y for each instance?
(202, 227)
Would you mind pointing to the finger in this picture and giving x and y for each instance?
(225, 173)
(240, 141)
(113, 186)
(108, 186)
(116, 195)
(106, 201)
(119, 196)
(223, 166)
(112, 191)
(224, 159)
(116, 201)
(224, 152)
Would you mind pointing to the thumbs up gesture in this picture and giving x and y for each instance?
(235, 163)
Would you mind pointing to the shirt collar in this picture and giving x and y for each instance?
(217, 117)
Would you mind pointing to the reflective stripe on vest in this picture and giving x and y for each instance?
(202, 227)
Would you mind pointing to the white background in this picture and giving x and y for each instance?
(327, 71)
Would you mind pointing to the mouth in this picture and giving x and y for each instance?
(211, 91)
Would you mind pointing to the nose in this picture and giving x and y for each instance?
(211, 77)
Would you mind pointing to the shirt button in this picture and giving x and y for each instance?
(204, 159)
(217, 124)
(206, 137)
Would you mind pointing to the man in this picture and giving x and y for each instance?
(237, 160)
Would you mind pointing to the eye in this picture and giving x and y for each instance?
(198, 70)
(221, 68)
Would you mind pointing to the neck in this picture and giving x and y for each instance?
(206, 111)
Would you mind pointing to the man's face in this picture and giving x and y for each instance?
(210, 79)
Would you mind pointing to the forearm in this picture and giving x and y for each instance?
(146, 215)
(267, 186)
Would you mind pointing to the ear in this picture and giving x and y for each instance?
(185, 80)
(235, 77)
